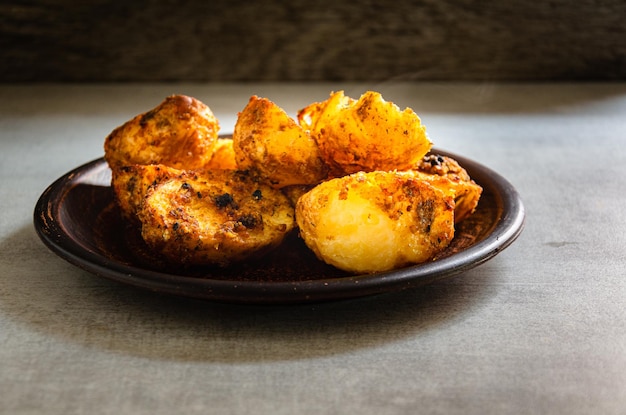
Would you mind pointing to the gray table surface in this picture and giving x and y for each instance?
(541, 328)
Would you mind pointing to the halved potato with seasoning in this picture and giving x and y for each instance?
(266, 139)
(180, 132)
(375, 221)
(214, 218)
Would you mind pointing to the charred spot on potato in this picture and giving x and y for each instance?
(257, 194)
(224, 200)
(249, 221)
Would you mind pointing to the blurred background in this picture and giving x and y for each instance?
(323, 40)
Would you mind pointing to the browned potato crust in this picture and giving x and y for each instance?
(446, 174)
(365, 135)
(180, 132)
(218, 217)
(131, 183)
(376, 221)
(267, 140)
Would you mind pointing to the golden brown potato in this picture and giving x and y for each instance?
(131, 183)
(270, 142)
(314, 116)
(376, 221)
(180, 132)
(446, 174)
(365, 135)
(218, 217)
(223, 156)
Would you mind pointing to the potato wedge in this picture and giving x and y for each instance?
(375, 221)
(267, 140)
(180, 132)
(216, 218)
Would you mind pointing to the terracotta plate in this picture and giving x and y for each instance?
(77, 218)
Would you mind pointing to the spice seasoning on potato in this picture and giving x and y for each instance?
(131, 183)
(446, 174)
(376, 221)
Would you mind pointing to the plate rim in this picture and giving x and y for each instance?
(505, 230)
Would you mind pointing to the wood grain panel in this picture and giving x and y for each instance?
(275, 40)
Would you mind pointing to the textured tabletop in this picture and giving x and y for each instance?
(540, 328)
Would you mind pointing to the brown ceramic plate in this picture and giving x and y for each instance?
(77, 218)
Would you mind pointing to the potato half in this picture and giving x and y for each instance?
(180, 132)
(376, 221)
(217, 217)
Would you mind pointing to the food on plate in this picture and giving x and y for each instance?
(446, 174)
(223, 155)
(215, 217)
(367, 134)
(266, 139)
(375, 221)
(181, 132)
(354, 177)
(131, 183)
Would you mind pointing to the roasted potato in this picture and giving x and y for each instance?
(217, 217)
(131, 183)
(223, 157)
(266, 139)
(368, 134)
(446, 174)
(375, 221)
(181, 132)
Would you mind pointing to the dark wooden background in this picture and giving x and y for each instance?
(327, 40)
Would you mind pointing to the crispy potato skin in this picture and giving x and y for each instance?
(267, 140)
(131, 183)
(180, 132)
(217, 217)
(375, 221)
(368, 134)
(446, 174)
